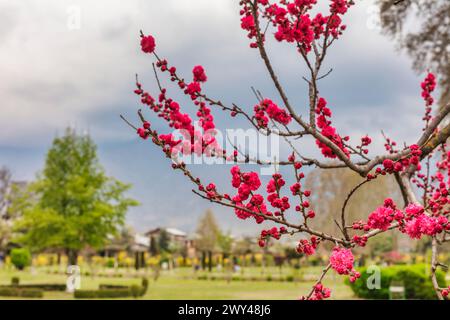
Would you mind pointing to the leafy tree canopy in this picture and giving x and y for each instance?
(72, 204)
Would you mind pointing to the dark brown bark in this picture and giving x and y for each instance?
(72, 256)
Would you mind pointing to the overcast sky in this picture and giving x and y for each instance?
(72, 63)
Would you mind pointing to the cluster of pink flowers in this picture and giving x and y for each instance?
(248, 22)
(425, 225)
(274, 232)
(143, 131)
(170, 110)
(440, 196)
(307, 247)
(246, 183)
(211, 191)
(342, 260)
(360, 240)
(390, 166)
(323, 122)
(269, 108)
(193, 90)
(436, 186)
(273, 188)
(383, 216)
(428, 86)
(320, 292)
(418, 223)
(413, 221)
(294, 23)
(365, 141)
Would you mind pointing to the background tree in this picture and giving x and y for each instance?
(5, 190)
(208, 233)
(76, 204)
(5, 224)
(427, 40)
(9, 211)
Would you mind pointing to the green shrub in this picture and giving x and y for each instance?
(9, 292)
(17, 292)
(20, 258)
(31, 293)
(290, 278)
(15, 281)
(110, 263)
(111, 286)
(114, 293)
(99, 294)
(414, 278)
(44, 286)
(85, 294)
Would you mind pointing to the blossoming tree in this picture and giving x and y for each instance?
(422, 170)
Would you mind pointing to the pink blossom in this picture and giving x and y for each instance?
(381, 218)
(413, 210)
(342, 260)
(422, 225)
(267, 109)
(148, 44)
(199, 74)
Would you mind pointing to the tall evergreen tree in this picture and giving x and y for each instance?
(74, 203)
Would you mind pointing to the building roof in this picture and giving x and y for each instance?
(176, 232)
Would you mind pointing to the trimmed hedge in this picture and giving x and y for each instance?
(269, 278)
(39, 286)
(113, 291)
(18, 292)
(108, 293)
(15, 283)
(416, 282)
(15, 289)
(111, 286)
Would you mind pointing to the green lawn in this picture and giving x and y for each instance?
(180, 285)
